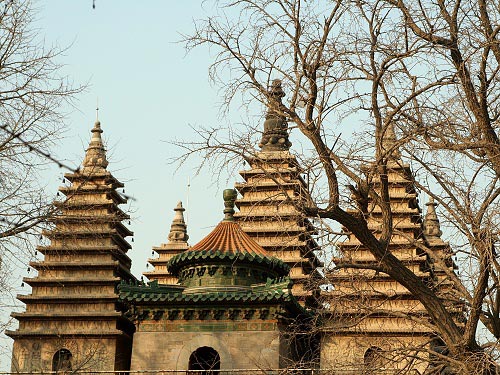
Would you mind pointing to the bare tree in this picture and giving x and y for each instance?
(31, 93)
(367, 82)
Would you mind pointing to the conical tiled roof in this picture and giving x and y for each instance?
(228, 237)
(228, 243)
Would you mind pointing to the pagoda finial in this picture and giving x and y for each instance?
(432, 229)
(389, 143)
(95, 156)
(275, 136)
(178, 229)
(229, 196)
(97, 109)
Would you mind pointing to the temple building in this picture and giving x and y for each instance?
(247, 296)
(231, 309)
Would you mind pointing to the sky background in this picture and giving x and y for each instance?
(149, 93)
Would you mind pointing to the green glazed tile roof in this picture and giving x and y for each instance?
(228, 237)
(154, 293)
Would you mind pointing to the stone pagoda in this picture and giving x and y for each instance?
(272, 194)
(177, 243)
(73, 318)
(231, 309)
(372, 322)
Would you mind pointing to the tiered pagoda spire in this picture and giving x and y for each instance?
(432, 228)
(73, 318)
(95, 158)
(272, 194)
(389, 145)
(442, 264)
(374, 323)
(177, 243)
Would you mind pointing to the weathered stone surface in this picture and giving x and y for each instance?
(74, 304)
(177, 243)
(237, 349)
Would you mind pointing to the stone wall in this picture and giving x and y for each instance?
(36, 354)
(237, 350)
(348, 353)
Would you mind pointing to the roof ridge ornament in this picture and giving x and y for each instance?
(95, 156)
(275, 135)
(178, 229)
(229, 196)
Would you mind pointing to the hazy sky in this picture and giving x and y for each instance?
(149, 93)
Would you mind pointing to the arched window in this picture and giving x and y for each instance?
(61, 362)
(374, 358)
(206, 359)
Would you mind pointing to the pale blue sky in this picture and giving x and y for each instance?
(149, 93)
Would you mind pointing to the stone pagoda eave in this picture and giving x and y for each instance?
(67, 298)
(372, 312)
(114, 250)
(85, 334)
(71, 264)
(70, 205)
(113, 315)
(93, 219)
(394, 244)
(267, 201)
(274, 156)
(278, 171)
(406, 260)
(243, 187)
(60, 233)
(370, 279)
(265, 216)
(67, 280)
(110, 265)
(374, 276)
(70, 191)
(158, 273)
(92, 175)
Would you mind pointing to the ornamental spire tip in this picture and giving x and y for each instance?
(432, 228)
(95, 156)
(229, 196)
(275, 135)
(178, 229)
